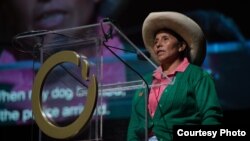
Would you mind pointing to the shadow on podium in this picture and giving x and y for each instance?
(114, 130)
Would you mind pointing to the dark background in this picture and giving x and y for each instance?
(131, 17)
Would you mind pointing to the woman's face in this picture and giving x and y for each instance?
(166, 47)
(55, 14)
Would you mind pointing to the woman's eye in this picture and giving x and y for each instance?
(165, 38)
(155, 42)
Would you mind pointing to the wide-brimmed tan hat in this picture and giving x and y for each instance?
(188, 29)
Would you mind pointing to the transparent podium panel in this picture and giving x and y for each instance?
(85, 80)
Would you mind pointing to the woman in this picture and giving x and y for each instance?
(181, 93)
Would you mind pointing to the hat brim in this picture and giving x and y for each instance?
(189, 30)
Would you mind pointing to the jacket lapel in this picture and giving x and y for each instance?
(167, 98)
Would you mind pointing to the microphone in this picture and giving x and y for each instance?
(109, 35)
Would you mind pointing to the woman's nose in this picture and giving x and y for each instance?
(158, 44)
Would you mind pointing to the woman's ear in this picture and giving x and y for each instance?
(182, 46)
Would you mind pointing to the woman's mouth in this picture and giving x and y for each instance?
(160, 52)
(49, 20)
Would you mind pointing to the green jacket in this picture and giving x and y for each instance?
(190, 100)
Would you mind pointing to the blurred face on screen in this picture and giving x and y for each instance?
(55, 14)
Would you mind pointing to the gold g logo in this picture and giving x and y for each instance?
(40, 117)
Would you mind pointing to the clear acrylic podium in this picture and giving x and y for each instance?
(118, 65)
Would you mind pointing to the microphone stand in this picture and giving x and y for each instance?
(108, 36)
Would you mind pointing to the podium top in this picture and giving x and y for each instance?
(112, 56)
